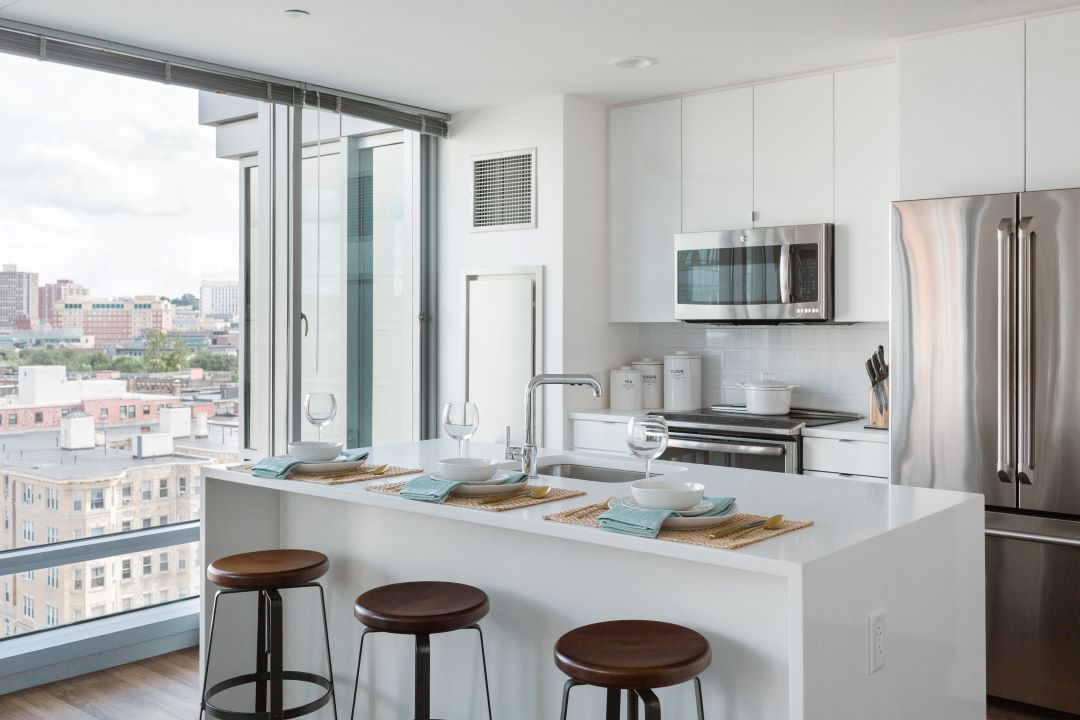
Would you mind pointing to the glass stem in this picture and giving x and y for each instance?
(318, 430)
(461, 447)
(648, 465)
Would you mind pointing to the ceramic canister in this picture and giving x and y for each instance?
(652, 382)
(682, 381)
(625, 388)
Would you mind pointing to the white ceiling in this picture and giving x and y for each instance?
(459, 54)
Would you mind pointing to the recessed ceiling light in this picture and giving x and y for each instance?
(633, 62)
(296, 14)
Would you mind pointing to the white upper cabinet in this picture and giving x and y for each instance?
(793, 152)
(645, 210)
(866, 158)
(962, 113)
(1053, 102)
(718, 160)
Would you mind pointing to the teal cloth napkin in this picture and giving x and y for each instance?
(646, 522)
(278, 466)
(429, 489)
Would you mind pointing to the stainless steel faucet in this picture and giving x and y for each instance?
(527, 452)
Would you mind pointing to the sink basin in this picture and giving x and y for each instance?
(591, 472)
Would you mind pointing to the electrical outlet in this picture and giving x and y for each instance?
(875, 637)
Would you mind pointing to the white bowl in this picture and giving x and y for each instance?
(468, 469)
(667, 494)
(311, 451)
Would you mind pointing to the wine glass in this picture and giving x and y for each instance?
(460, 420)
(647, 438)
(320, 409)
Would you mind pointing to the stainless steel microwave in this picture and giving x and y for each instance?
(758, 275)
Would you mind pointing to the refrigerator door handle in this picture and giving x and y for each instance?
(1006, 416)
(1025, 470)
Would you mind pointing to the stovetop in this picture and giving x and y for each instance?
(734, 418)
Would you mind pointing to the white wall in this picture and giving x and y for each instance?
(532, 123)
(826, 362)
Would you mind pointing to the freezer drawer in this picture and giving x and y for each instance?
(1033, 626)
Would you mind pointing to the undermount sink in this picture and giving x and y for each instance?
(591, 472)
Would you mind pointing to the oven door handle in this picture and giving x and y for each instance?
(689, 442)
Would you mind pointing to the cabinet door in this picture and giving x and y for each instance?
(793, 152)
(961, 119)
(865, 187)
(718, 160)
(1053, 102)
(645, 211)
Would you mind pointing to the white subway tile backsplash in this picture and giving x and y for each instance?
(826, 361)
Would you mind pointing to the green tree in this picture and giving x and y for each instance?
(211, 362)
(187, 300)
(164, 354)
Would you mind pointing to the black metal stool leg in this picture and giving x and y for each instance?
(631, 705)
(359, 659)
(700, 702)
(614, 706)
(483, 661)
(652, 704)
(209, 647)
(329, 661)
(277, 656)
(566, 696)
(261, 658)
(422, 679)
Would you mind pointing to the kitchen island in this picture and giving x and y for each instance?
(788, 618)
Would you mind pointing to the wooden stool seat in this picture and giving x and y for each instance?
(268, 569)
(421, 608)
(632, 654)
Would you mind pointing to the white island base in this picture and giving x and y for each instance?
(787, 618)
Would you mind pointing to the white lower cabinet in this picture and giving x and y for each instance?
(832, 457)
(846, 476)
(598, 436)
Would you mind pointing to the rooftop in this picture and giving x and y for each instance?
(39, 454)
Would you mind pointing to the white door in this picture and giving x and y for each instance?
(718, 160)
(866, 152)
(645, 209)
(1053, 102)
(962, 113)
(793, 152)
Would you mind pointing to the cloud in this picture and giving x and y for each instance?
(112, 182)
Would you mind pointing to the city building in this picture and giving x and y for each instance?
(18, 297)
(57, 486)
(46, 337)
(115, 321)
(50, 294)
(219, 298)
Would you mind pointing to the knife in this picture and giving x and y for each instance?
(874, 385)
(881, 361)
(882, 373)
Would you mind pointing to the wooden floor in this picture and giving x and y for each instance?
(167, 688)
(161, 688)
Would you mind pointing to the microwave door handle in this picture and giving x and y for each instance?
(786, 295)
(1025, 466)
(686, 443)
(1006, 419)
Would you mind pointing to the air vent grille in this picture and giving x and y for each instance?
(504, 191)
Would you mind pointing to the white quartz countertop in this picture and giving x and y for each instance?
(845, 512)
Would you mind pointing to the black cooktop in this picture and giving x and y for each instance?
(735, 419)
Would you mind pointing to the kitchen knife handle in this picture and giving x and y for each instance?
(1006, 410)
(1025, 369)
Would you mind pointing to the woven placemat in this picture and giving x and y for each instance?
(477, 503)
(591, 518)
(364, 472)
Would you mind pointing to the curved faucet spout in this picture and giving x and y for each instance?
(527, 453)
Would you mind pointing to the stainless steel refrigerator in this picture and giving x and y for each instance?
(985, 381)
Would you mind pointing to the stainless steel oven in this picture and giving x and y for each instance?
(776, 455)
(755, 275)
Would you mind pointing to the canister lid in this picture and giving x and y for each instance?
(683, 355)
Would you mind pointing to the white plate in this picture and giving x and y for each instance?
(488, 490)
(309, 468)
(703, 506)
(688, 523)
(495, 479)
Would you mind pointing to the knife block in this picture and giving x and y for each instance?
(878, 418)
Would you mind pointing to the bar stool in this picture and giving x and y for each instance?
(635, 656)
(421, 609)
(266, 572)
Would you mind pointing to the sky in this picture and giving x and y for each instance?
(111, 182)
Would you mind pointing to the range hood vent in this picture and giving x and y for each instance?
(504, 191)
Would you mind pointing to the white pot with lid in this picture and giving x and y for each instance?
(768, 397)
(625, 388)
(682, 381)
(652, 382)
